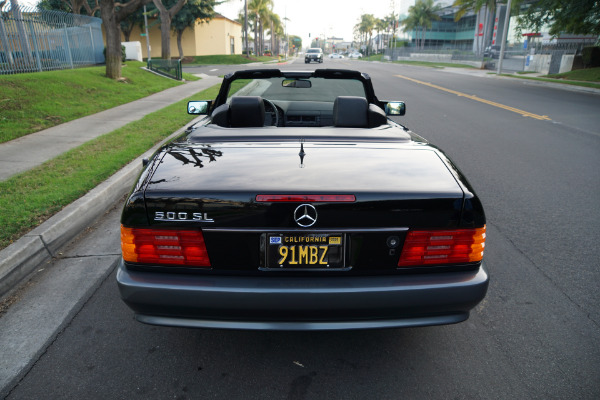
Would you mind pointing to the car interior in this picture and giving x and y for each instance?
(254, 111)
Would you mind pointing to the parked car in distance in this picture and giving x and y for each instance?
(492, 51)
(336, 55)
(313, 54)
(356, 54)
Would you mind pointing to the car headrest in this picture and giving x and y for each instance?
(247, 111)
(350, 112)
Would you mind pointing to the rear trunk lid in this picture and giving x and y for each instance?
(396, 187)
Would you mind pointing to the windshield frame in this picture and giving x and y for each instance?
(276, 73)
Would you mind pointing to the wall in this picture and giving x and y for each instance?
(214, 37)
(208, 38)
(566, 63)
(539, 63)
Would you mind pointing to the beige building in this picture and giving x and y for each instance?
(220, 35)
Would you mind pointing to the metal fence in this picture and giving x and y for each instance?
(33, 40)
(170, 68)
(567, 48)
(434, 54)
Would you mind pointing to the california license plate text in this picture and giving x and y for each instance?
(304, 255)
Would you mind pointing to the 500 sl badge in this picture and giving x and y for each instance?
(181, 216)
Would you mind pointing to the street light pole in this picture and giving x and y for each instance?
(504, 35)
(147, 37)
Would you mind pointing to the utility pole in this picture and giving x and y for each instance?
(504, 35)
(147, 37)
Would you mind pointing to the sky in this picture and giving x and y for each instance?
(317, 17)
(323, 17)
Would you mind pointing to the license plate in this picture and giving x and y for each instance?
(319, 250)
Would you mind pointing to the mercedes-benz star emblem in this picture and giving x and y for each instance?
(305, 215)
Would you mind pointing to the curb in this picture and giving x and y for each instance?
(20, 259)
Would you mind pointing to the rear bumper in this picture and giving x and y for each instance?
(301, 303)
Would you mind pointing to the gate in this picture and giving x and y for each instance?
(33, 40)
(555, 60)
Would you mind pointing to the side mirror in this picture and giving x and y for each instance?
(198, 107)
(395, 108)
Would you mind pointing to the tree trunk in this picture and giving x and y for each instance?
(111, 19)
(246, 27)
(256, 36)
(261, 37)
(165, 25)
(179, 47)
(272, 40)
(113, 39)
(165, 36)
(127, 33)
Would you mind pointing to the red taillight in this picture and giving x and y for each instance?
(442, 247)
(164, 246)
(306, 198)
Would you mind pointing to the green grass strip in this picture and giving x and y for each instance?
(586, 74)
(28, 199)
(434, 64)
(563, 81)
(36, 101)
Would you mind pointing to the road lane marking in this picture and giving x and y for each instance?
(479, 99)
(212, 70)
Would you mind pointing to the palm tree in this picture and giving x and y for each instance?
(259, 11)
(275, 32)
(411, 23)
(380, 26)
(391, 22)
(421, 17)
(366, 26)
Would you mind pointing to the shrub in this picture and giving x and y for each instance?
(591, 57)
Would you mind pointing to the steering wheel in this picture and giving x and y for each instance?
(274, 113)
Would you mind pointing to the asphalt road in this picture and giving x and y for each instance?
(532, 154)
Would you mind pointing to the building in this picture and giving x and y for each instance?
(448, 33)
(220, 35)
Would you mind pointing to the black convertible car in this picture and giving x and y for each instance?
(297, 204)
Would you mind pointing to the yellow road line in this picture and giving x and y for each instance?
(472, 97)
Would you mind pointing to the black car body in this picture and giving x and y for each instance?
(313, 54)
(292, 206)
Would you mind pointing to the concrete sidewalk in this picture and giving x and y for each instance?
(20, 259)
(29, 151)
